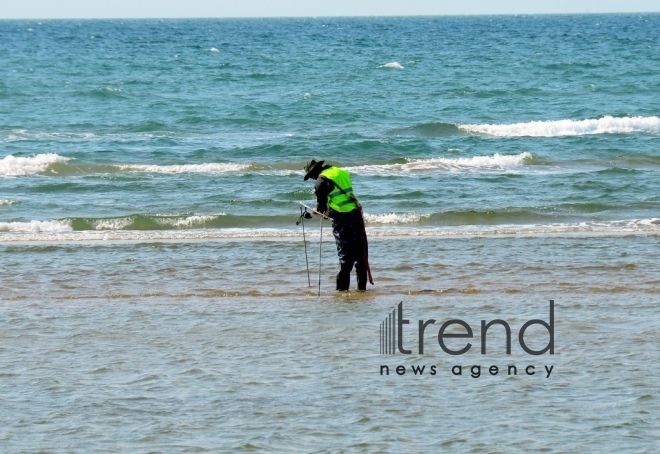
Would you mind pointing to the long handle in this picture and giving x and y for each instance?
(302, 221)
(314, 211)
(320, 249)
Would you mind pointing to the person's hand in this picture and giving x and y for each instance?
(319, 213)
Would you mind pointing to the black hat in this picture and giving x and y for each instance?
(311, 167)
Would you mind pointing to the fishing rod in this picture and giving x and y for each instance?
(304, 214)
(301, 221)
(318, 213)
(320, 250)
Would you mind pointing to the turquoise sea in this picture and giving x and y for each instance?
(154, 292)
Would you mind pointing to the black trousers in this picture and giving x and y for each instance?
(351, 240)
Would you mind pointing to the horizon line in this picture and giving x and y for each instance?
(332, 17)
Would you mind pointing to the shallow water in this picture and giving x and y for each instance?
(303, 374)
(121, 347)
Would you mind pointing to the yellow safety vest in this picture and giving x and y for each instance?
(341, 199)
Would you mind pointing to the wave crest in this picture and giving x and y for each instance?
(393, 65)
(394, 218)
(186, 168)
(61, 231)
(605, 125)
(36, 226)
(495, 162)
(12, 166)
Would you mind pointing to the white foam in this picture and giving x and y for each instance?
(495, 162)
(163, 220)
(112, 224)
(11, 166)
(36, 226)
(186, 168)
(60, 231)
(648, 222)
(394, 218)
(187, 222)
(7, 202)
(393, 65)
(214, 50)
(605, 125)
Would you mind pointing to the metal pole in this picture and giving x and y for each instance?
(302, 221)
(320, 249)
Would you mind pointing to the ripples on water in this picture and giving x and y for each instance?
(221, 345)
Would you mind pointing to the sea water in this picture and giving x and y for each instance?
(158, 296)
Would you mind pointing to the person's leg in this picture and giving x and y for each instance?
(361, 271)
(360, 250)
(344, 276)
(349, 249)
(339, 231)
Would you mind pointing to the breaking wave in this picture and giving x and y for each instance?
(54, 164)
(149, 222)
(393, 65)
(12, 166)
(495, 162)
(394, 218)
(186, 168)
(605, 125)
(36, 226)
(51, 164)
(62, 231)
(556, 128)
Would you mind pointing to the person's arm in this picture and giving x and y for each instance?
(322, 187)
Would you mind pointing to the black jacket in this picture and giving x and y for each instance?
(323, 187)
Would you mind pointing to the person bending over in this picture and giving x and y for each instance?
(336, 200)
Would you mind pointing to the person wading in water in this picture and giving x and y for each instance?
(335, 199)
